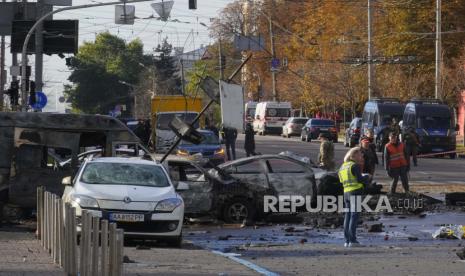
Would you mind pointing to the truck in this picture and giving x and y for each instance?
(164, 109)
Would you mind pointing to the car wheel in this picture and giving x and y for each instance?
(174, 242)
(238, 210)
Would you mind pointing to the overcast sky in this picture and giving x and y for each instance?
(189, 33)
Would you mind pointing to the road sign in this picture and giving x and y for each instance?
(163, 9)
(125, 14)
(41, 100)
(275, 63)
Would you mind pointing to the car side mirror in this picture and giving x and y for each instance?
(66, 180)
(182, 186)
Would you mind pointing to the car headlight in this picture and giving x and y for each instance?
(182, 152)
(168, 205)
(85, 201)
(219, 151)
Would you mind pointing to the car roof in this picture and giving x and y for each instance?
(123, 160)
(258, 157)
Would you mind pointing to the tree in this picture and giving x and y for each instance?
(99, 70)
(167, 80)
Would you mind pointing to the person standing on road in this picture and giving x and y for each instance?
(249, 144)
(326, 156)
(412, 143)
(353, 182)
(229, 137)
(395, 162)
(369, 156)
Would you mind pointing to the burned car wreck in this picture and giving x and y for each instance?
(235, 191)
(32, 145)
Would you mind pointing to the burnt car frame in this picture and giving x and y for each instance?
(31, 142)
(235, 191)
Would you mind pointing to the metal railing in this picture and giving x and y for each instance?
(100, 247)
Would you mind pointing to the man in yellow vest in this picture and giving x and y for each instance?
(350, 175)
(396, 162)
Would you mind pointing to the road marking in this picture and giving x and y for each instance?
(233, 256)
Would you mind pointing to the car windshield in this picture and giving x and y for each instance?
(433, 122)
(124, 174)
(299, 121)
(278, 112)
(387, 119)
(163, 120)
(251, 112)
(208, 139)
(322, 123)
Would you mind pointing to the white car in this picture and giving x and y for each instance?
(136, 194)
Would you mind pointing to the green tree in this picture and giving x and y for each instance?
(167, 80)
(99, 69)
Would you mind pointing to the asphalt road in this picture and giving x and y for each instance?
(430, 171)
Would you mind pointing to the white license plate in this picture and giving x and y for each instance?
(126, 217)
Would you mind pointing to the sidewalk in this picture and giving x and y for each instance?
(21, 254)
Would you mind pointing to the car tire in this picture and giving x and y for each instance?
(174, 242)
(308, 139)
(237, 210)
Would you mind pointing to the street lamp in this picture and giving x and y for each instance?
(39, 21)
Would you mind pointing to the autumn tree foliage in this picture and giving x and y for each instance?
(325, 44)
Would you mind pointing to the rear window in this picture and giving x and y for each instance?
(299, 121)
(278, 112)
(322, 123)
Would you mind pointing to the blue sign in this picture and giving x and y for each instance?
(275, 64)
(41, 101)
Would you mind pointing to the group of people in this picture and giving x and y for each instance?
(229, 136)
(358, 169)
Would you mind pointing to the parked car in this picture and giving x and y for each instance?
(136, 194)
(314, 127)
(352, 133)
(293, 126)
(210, 148)
(235, 191)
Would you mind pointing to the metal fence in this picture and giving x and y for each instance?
(96, 250)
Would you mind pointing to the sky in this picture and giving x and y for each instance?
(189, 33)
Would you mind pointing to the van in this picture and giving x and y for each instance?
(249, 112)
(433, 122)
(33, 147)
(271, 116)
(378, 114)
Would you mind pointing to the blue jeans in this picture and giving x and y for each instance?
(351, 216)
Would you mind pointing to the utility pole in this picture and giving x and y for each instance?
(39, 62)
(273, 52)
(370, 52)
(220, 56)
(2, 68)
(182, 77)
(438, 86)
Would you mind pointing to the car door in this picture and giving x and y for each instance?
(289, 177)
(198, 197)
(251, 172)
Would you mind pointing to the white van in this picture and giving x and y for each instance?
(271, 116)
(249, 112)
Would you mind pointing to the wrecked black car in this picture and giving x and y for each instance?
(235, 191)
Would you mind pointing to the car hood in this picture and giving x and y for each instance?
(119, 192)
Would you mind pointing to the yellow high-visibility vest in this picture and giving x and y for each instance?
(347, 178)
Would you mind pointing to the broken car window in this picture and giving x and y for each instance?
(285, 166)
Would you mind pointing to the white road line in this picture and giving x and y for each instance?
(233, 256)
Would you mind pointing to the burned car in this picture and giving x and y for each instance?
(32, 145)
(235, 191)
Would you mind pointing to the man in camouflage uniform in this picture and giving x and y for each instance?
(326, 156)
(411, 141)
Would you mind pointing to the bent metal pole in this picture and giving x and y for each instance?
(28, 36)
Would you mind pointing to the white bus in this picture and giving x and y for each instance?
(271, 116)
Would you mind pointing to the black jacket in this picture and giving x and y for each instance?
(249, 143)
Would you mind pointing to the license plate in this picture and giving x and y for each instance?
(324, 128)
(126, 217)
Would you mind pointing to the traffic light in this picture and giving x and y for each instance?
(32, 92)
(192, 4)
